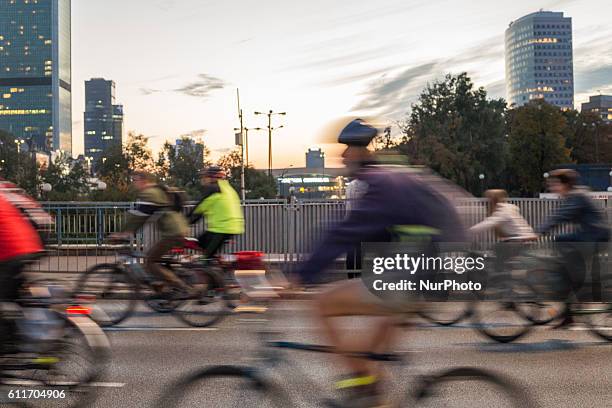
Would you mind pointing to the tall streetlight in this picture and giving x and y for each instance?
(270, 129)
(481, 177)
(246, 142)
(19, 142)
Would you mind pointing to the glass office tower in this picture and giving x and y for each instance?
(539, 62)
(103, 118)
(35, 73)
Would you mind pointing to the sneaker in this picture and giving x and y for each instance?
(360, 391)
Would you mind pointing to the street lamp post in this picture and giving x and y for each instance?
(246, 143)
(481, 177)
(19, 142)
(270, 129)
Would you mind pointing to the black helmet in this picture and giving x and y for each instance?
(357, 133)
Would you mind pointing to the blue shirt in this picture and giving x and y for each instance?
(392, 198)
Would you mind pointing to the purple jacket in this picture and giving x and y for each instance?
(392, 198)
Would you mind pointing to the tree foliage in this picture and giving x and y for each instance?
(537, 144)
(454, 129)
(257, 183)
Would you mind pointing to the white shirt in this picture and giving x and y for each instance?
(509, 222)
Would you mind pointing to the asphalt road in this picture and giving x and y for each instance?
(558, 368)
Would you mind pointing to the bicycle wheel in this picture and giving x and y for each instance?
(501, 321)
(209, 306)
(224, 386)
(114, 291)
(63, 371)
(599, 320)
(446, 313)
(470, 387)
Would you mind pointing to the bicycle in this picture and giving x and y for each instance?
(58, 351)
(538, 302)
(117, 287)
(259, 382)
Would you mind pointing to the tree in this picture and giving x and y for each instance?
(454, 129)
(68, 179)
(138, 153)
(182, 164)
(18, 165)
(587, 137)
(537, 144)
(257, 183)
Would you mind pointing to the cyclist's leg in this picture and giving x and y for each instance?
(154, 257)
(353, 299)
(215, 243)
(10, 283)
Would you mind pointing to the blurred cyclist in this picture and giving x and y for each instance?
(19, 242)
(220, 205)
(155, 205)
(391, 199)
(509, 225)
(591, 230)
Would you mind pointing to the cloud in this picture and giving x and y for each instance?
(149, 91)
(393, 92)
(202, 87)
(199, 88)
(195, 133)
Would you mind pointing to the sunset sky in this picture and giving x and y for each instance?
(177, 63)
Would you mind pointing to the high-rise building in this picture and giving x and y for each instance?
(315, 159)
(539, 61)
(600, 105)
(103, 118)
(189, 147)
(35, 73)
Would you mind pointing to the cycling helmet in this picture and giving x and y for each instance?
(357, 133)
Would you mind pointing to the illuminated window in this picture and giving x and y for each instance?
(23, 112)
(91, 132)
(47, 42)
(6, 96)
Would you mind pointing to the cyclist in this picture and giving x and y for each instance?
(509, 225)
(19, 241)
(154, 205)
(391, 198)
(591, 231)
(220, 205)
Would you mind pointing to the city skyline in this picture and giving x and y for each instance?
(177, 65)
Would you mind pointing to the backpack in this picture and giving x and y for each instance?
(177, 197)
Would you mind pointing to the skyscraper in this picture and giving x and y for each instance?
(539, 61)
(103, 119)
(315, 158)
(35, 72)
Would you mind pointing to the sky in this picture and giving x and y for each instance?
(177, 63)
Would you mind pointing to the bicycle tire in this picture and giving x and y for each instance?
(512, 392)
(182, 387)
(62, 376)
(489, 333)
(450, 321)
(118, 279)
(604, 333)
(191, 311)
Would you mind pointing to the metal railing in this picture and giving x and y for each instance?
(285, 231)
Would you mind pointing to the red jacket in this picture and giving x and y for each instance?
(17, 235)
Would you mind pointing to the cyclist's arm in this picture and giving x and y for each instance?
(145, 207)
(566, 213)
(490, 222)
(367, 222)
(200, 209)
